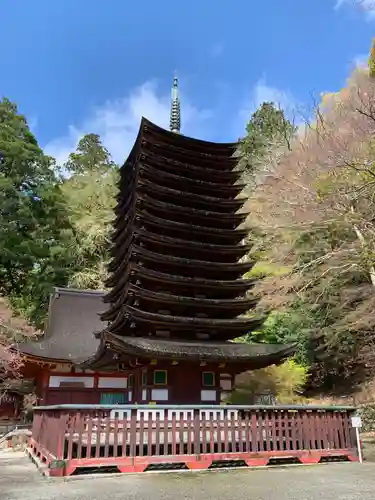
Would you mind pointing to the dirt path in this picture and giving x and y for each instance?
(19, 480)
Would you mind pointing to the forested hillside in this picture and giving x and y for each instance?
(313, 205)
(311, 194)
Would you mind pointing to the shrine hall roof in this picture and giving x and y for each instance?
(258, 354)
(73, 317)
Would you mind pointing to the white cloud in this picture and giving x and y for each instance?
(262, 92)
(367, 6)
(117, 122)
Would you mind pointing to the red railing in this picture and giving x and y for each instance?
(133, 437)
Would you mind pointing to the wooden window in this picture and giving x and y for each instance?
(130, 380)
(160, 377)
(144, 377)
(208, 379)
(113, 398)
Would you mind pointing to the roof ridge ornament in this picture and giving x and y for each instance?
(175, 116)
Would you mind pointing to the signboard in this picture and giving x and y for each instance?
(356, 422)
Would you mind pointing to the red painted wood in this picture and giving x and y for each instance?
(166, 435)
(257, 462)
(330, 429)
(235, 426)
(149, 434)
(141, 433)
(346, 429)
(306, 435)
(60, 438)
(190, 430)
(181, 434)
(212, 433)
(197, 432)
(261, 431)
(98, 433)
(340, 430)
(71, 424)
(89, 436)
(174, 434)
(124, 425)
(116, 437)
(318, 430)
(226, 434)
(314, 431)
(131, 468)
(305, 432)
(204, 433)
(157, 435)
(267, 429)
(282, 430)
(313, 458)
(251, 432)
(324, 430)
(107, 437)
(80, 427)
(198, 464)
(273, 431)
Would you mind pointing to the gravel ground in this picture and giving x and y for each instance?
(20, 480)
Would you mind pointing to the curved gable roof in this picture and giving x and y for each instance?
(73, 318)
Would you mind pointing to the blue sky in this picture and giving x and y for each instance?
(79, 66)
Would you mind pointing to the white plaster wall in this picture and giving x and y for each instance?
(55, 380)
(112, 383)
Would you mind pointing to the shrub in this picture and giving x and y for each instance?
(284, 382)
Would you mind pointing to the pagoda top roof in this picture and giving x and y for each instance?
(219, 148)
(73, 317)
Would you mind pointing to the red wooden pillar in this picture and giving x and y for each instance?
(44, 385)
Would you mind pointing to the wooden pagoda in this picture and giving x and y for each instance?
(177, 297)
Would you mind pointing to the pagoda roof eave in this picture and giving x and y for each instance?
(200, 323)
(238, 305)
(238, 286)
(185, 280)
(172, 165)
(258, 354)
(211, 160)
(160, 238)
(41, 360)
(234, 204)
(166, 207)
(147, 125)
(155, 172)
(170, 224)
(183, 300)
(240, 267)
(147, 220)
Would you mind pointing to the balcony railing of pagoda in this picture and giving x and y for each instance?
(133, 437)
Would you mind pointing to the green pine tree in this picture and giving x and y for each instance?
(90, 195)
(34, 227)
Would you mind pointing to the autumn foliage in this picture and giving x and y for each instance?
(315, 209)
(12, 329)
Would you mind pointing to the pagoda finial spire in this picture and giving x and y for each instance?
(175, 118)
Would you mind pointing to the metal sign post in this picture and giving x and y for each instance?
(357, 424)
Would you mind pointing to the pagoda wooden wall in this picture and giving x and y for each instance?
(183, 384)
(68, 386)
